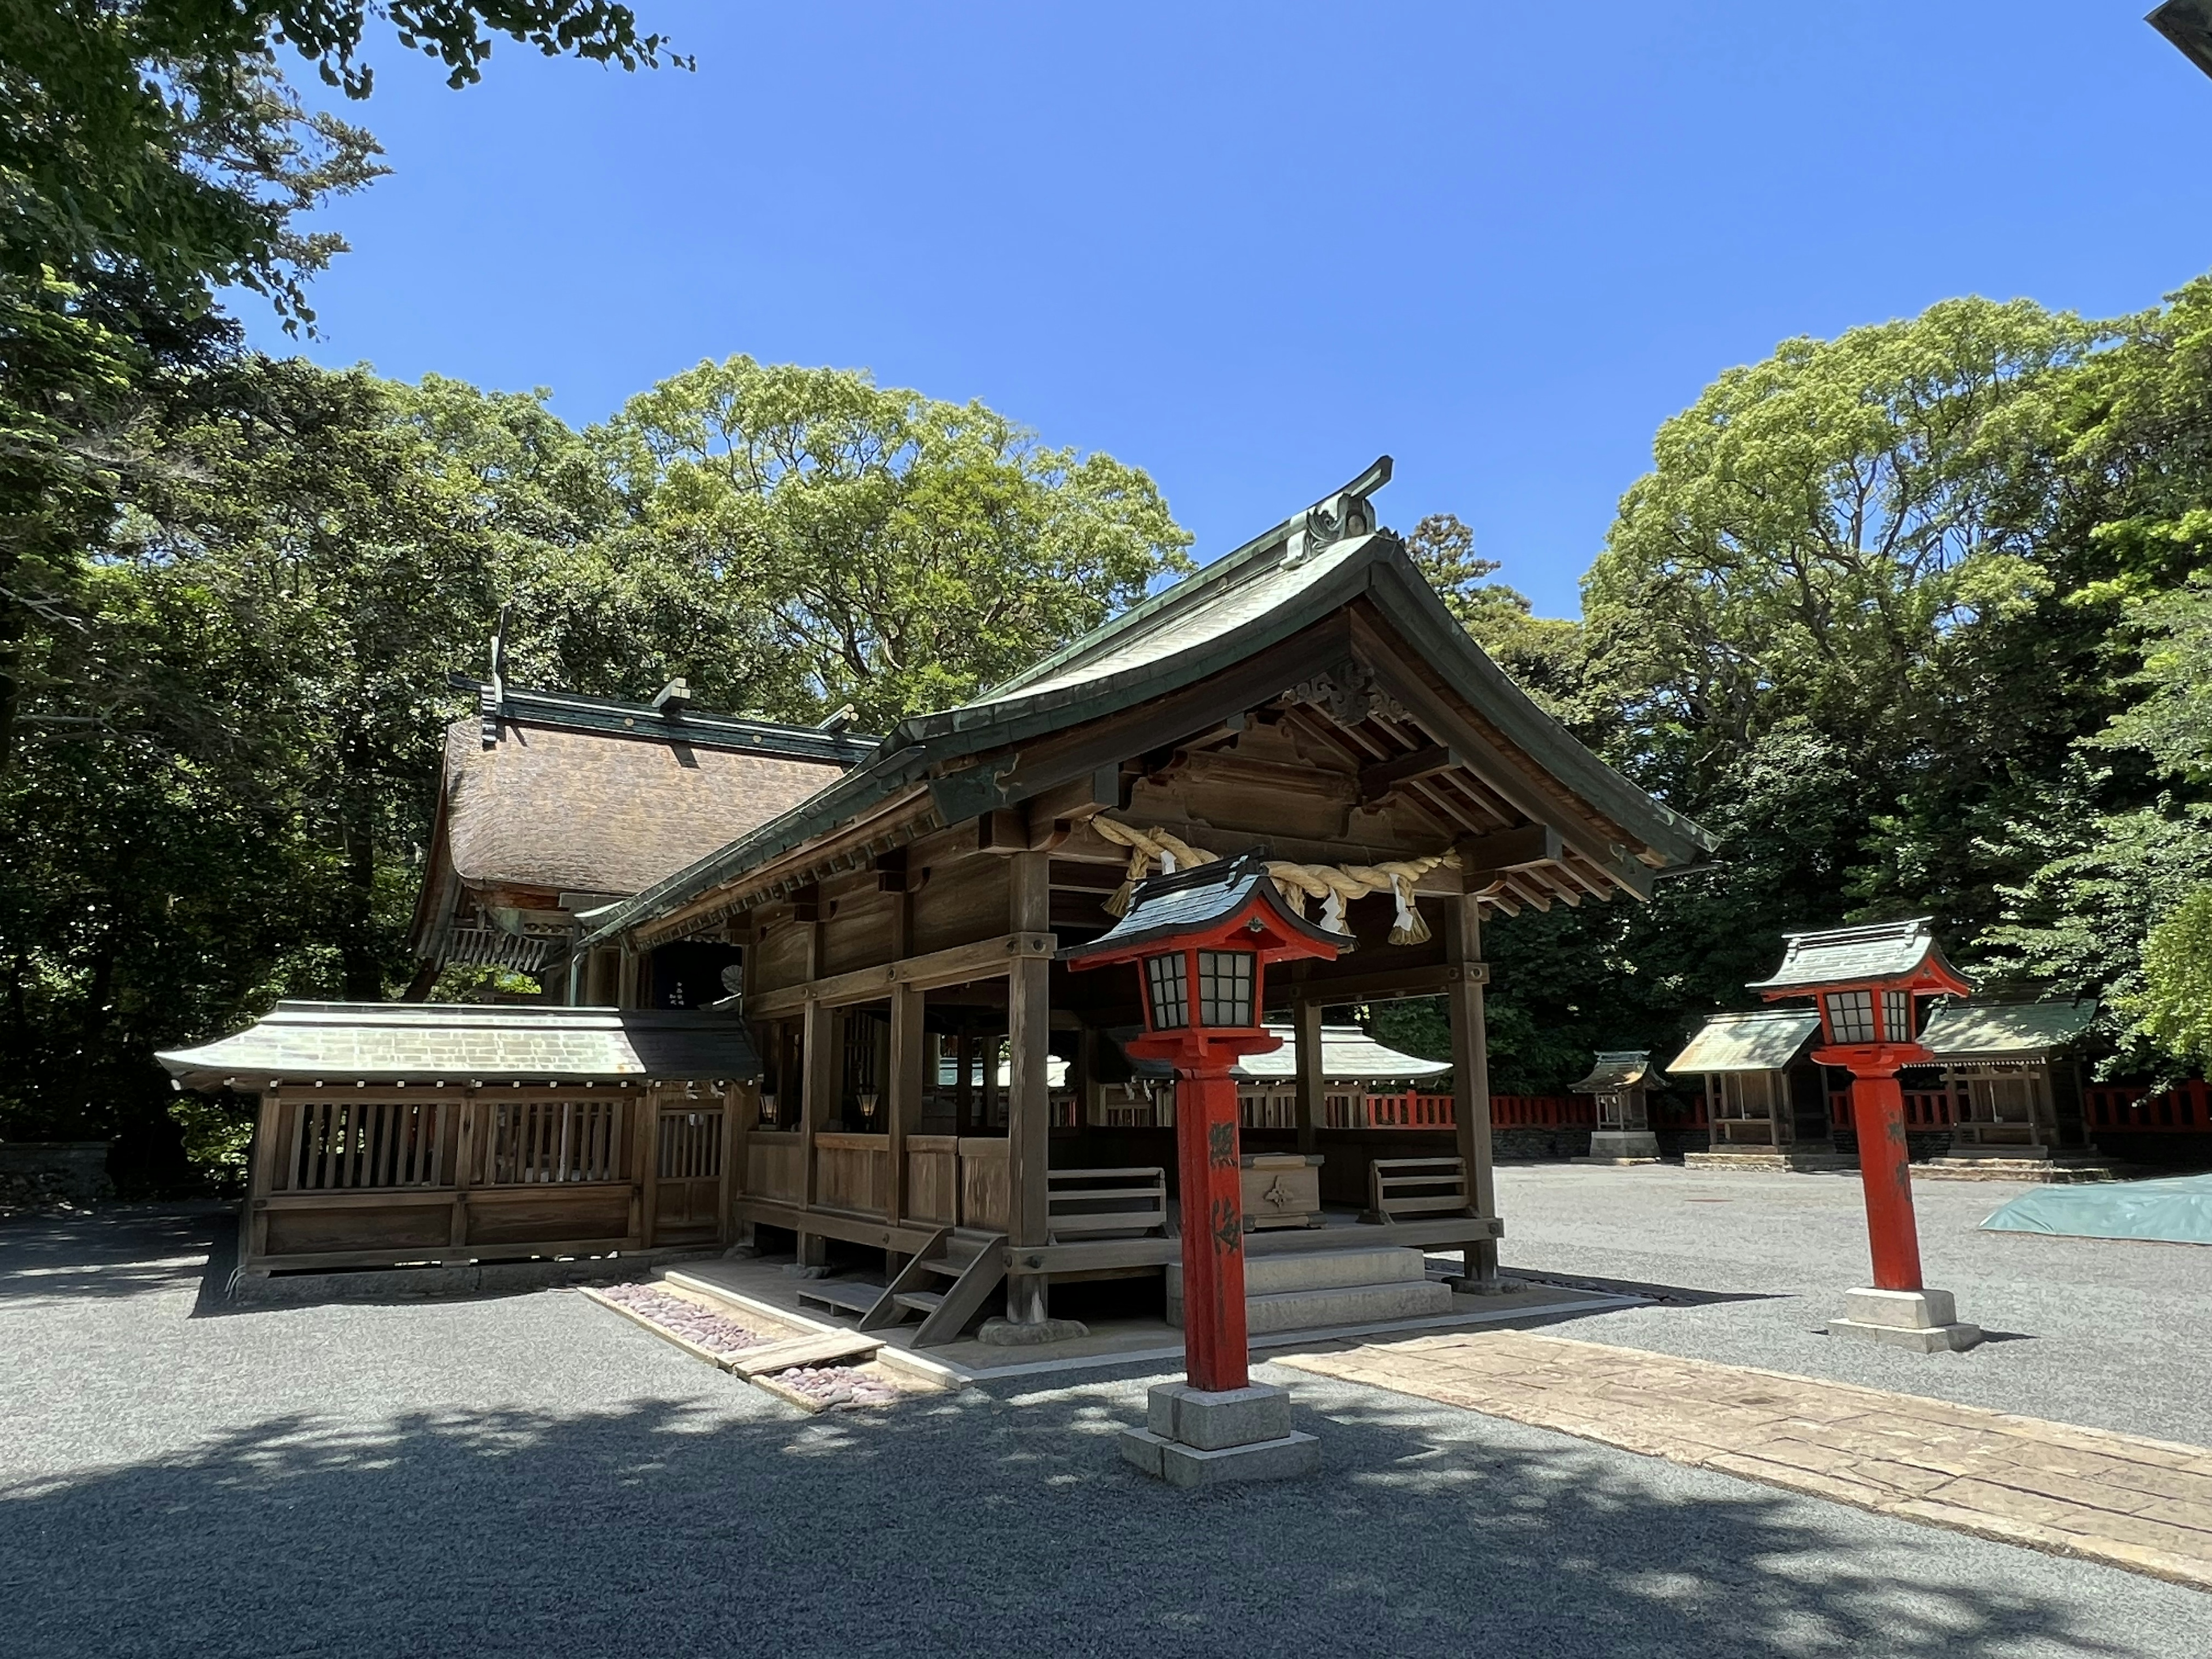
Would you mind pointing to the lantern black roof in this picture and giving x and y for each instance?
(1190, 901)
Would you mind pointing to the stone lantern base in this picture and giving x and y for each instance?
(1622, 1146)
(1192, 1438)
(1926, 1322)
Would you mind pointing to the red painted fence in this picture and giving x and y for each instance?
(2132, 1109)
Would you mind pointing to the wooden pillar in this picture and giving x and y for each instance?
(1028, 1107)
(904, 1089)
(818, 1088)
(1306, 1018)
(1470, 1039)
(645, 1129)
(963, 1090)
(465, 1132)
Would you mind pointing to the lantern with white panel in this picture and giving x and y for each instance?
(1869, 984)
(1201, 941)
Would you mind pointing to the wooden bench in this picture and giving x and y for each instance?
(1090, 1204)
(1402, 1187)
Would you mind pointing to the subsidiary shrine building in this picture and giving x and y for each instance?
(862, 935)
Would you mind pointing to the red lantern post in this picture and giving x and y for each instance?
(1868, 983)
(1202, 940)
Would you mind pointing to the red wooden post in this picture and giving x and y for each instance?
(1885, 1174)
(1215, 1338)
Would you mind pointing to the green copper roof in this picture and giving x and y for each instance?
(1622, 1068)
(1764, 1040)
(340, 1043)
(1275, 585)
(1961, 1030)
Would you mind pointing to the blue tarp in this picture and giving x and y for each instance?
(2176, 1211)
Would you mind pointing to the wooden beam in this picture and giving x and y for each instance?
(1379, 779)
(1524, 849)
(987, 958)
(1307, 1019)
(1497, 770)
(1328, 991)
(818, 1070)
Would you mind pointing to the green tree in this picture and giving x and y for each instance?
(152, 155)
(904, 551)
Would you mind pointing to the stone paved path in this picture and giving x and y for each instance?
(2144, 1505)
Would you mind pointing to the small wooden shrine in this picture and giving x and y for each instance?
(1766, 1100)
(2005, 1081)
(387, 1133)
(1621, 1081)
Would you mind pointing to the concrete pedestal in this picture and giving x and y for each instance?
(1193, 1437)
(1030, 1333)
(1621, 1146)
(1926, 1322)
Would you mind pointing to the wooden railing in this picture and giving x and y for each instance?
(351, 1144)
(1543, 1111)
(530, 1142)
(368, 1179)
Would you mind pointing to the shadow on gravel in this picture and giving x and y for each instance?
(1678, 1296)
(117, 1250)
(999, 1522)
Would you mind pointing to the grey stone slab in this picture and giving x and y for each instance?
(1290, 1458)
(1213, 1420)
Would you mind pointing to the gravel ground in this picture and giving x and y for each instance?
(535, 1475)
(2110, 1333)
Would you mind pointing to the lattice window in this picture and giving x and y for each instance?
(1170, 993)
(1850, 1016)
(1225, 988)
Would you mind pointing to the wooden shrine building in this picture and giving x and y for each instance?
(1307, 694)
(1766, 1099)
(889, 912)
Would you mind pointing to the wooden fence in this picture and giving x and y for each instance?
(388, 1177)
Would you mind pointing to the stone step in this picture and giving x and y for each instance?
(1346, 1304)
(1321, 1270)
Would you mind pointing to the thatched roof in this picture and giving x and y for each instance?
(593, 795)
(587, 812)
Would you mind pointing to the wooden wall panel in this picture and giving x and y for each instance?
(779, 958)
(933, 1179)
(860, 932)
(416, 1230)
(960, 904)
(774, 1166)
(983, 1190)
(853, 1172)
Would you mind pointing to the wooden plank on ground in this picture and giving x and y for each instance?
(828, 1348)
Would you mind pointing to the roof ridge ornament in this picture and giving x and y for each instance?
(1335, 518)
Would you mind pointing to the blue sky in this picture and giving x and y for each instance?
(1249, 247)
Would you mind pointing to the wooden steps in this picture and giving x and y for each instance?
(839, 1296)
(975, 1262)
